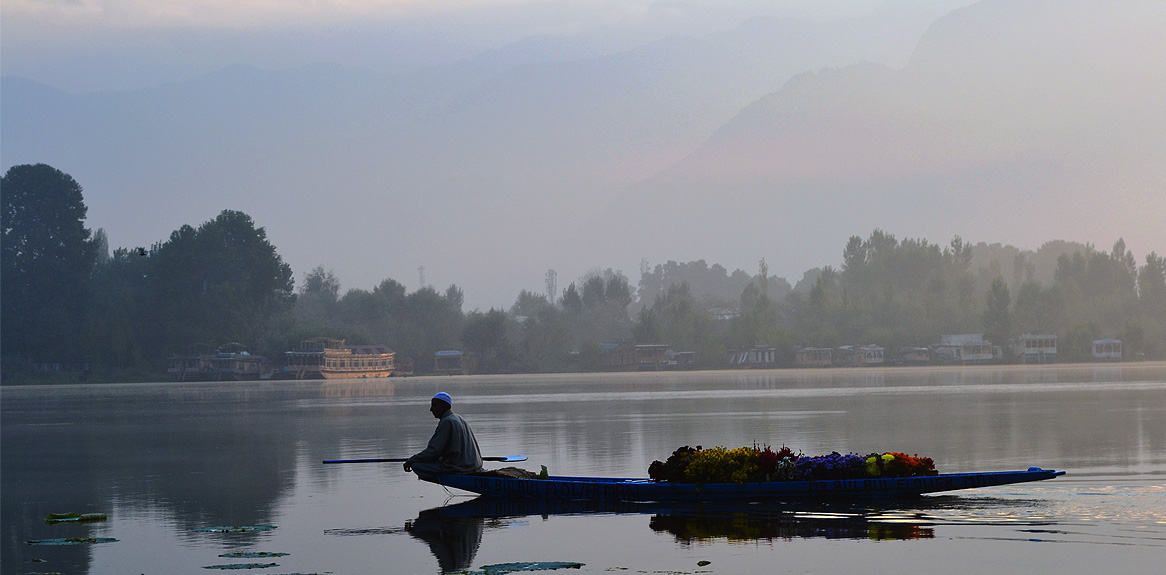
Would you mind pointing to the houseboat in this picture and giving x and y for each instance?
(1036, 348)
(854, 356)
(639, 357)
(813, 357)
(914, 356)
(189, 367)
(756, 357)
(329, 358)
(454, 362)
(230, 362)
(233, 362)
(1107, 349)
(966, 348)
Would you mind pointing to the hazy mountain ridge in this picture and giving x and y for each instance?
(989, 141)
(483, 167)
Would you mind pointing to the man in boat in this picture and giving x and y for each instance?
(452, 449)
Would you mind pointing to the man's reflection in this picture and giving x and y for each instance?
(453, 538)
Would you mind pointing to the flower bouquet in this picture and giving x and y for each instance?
(754, 464)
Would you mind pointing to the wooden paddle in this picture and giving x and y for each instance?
(504, 458)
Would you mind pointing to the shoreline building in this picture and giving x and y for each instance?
(330, 358)
(230, 362)
(454, 362)
(966, 348)
(640, 357)
(233, 362)
(756, 357)
(1036, 348)
(853, 356)
(813, 357)
(914, 356)
(1107, 349)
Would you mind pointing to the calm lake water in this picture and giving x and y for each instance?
(166, 461)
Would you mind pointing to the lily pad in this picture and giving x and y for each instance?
(366, 531)
(71, 541)
(242, 566)
(503, 568)
(235, 529)
(252, 554)
(52, 518)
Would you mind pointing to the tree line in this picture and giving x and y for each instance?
(117, 315)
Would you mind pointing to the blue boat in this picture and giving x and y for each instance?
(639, 489)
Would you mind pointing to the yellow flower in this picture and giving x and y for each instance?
(722, 465)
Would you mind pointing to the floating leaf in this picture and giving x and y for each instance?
(71, 541)
(366, 531)
(242, 566)
(252, 554)
(52, 518)
(235, 529)
(503, 568)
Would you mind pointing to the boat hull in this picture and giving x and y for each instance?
(629, 489)
(356, 374)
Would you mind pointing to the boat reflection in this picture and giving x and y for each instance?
(688, 522)
(454, 532)
(768, 525)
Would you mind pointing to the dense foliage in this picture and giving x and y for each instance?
(47, 258)
(218, 283)
(67, 299)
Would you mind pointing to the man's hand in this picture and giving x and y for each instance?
(408, 467)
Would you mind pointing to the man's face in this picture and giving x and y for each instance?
(438, 407)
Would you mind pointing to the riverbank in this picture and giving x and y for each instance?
(76, 377)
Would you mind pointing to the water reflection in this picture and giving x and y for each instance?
(747, 525)
(453, 538)
(456, 530)
(175, 457)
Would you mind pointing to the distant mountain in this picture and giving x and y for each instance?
(477, 170)
(494, 169)
(1015, 120)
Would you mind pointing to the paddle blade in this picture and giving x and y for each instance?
(506, 458)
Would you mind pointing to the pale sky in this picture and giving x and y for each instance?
(61, 42)
(266, 13)
(222, 13)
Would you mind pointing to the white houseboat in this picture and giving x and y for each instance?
(329, 358)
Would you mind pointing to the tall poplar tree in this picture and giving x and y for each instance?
(997, 318)
(46, 264)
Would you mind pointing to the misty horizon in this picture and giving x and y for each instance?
(729, 134)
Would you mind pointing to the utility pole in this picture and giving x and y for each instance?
(421, 276)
